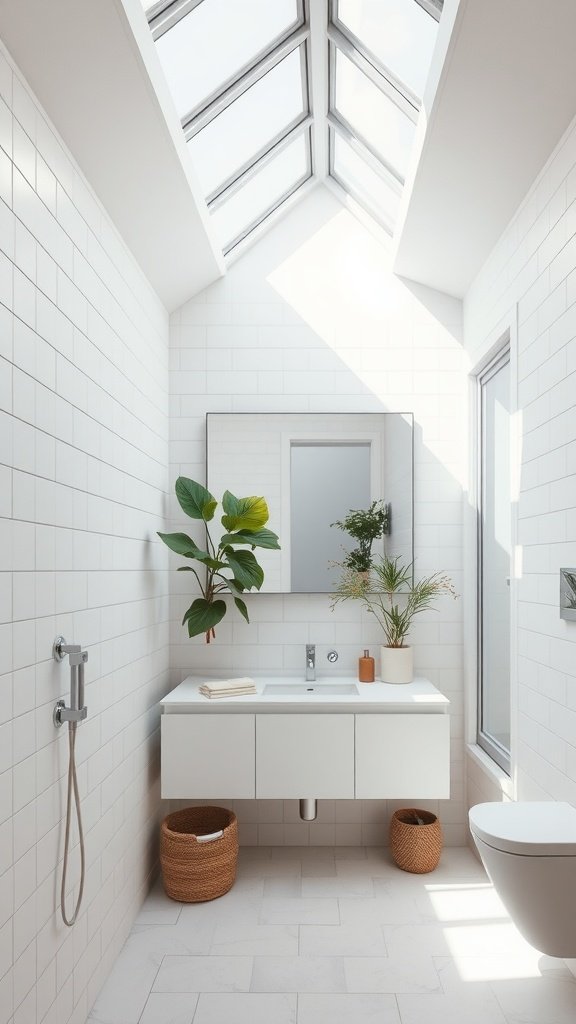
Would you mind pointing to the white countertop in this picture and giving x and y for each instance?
(419, 696)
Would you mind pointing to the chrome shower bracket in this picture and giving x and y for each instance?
(77, 711)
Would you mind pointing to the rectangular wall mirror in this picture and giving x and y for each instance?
(313, 468)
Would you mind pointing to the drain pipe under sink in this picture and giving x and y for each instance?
(308, 810)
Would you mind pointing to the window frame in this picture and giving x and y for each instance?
(267, 158)
(495, 750)
(335, 128)
(341, 38)
(163, 16)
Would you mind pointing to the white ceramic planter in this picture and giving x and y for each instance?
(396, 665)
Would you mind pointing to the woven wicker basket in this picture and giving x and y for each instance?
(197, 871)
(415, 847)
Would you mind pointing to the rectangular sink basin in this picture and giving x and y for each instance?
(312, 689)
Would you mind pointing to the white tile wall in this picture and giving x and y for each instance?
(531, 274)
(83, 480)
(311, 320)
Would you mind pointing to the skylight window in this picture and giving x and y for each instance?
(400, 35)
(379, 197)
(380, 53)
(371, 115)
(259, 117)
(263, 192)
(240, 76)
(215, 41)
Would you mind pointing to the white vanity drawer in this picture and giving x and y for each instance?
(308, 755)
(403, 757)
(208, 757)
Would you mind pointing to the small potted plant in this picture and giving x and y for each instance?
(365, 525)
(226, 569)
(389, 594)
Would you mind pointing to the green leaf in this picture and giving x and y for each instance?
(257, 538)
(241, 606)
(182, 544)
(203, 615)
(245, 568)
(194, 499)
(244, 513)
(234, 586)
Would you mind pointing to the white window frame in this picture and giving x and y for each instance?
(341, 38)
(495, 750)
(167, 13)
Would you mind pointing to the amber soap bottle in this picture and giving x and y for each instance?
(366, 668)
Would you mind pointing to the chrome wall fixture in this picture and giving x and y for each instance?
(74, 714)
(568, 594)
(77, 711)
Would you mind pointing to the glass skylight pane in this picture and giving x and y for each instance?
(250, 124)
(399, 33)
(361, 181)
(215, 41)
(263, 192)
(371, 115)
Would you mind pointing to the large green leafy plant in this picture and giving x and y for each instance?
(225, 566)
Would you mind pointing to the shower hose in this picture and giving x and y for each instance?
(72, 790)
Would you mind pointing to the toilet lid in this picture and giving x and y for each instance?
(537, 829)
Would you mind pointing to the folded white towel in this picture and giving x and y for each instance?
(217, 685)
(228, 687)
(227, 693)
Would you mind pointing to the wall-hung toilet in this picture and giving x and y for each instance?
(529, 852)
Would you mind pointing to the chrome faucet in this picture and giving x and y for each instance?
(310, 663)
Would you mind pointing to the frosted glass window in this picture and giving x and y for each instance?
(372, 116)
(263, 192)
(399, 33)
(366, 185)
(250, 124)
(215, 41)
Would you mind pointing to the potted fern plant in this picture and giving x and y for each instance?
(388, 592)
(225, 566)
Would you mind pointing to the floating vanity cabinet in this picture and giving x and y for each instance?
(208, 757)
(309, 755)
(293, 741)
(402, 756)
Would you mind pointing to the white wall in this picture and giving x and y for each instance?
(83, 457)
(530, 281)
(311, 319)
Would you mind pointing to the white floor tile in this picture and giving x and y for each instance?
(251, 1008)
(255, 940)
(450, 1009)
(384, 910)
(337, 886)
(347, 1009)
(169, 1008)
(287, 885)
(299, 911)
(342, 940)
(391, 974)
(204, 974)
(298, 974)
(537, 1000)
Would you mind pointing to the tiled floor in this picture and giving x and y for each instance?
(339, 935)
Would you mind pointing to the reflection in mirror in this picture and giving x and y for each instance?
(314, 468)
(323, 478)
